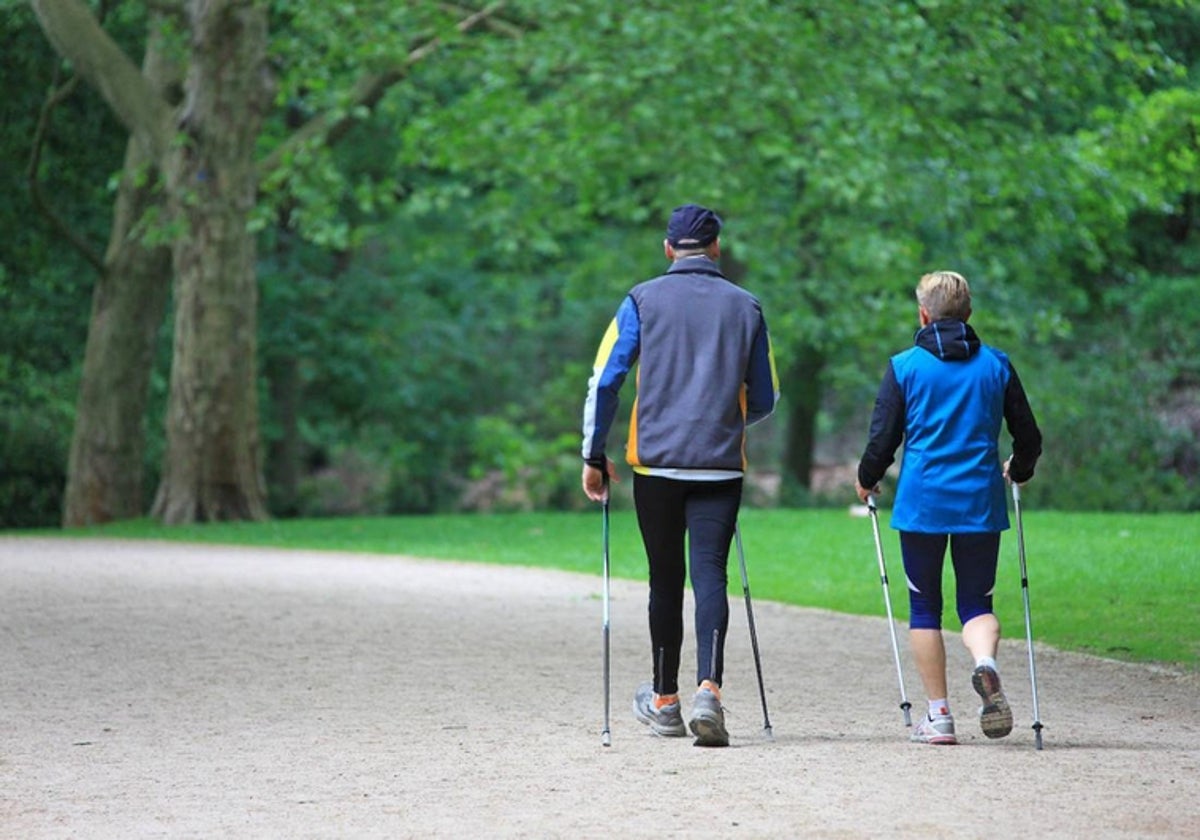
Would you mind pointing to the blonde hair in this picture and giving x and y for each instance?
(945, 294)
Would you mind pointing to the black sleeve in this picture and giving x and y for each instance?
(1027, 437)
(887, 431)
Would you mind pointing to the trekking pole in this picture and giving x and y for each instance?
(1037, 718)
(762, 693)
(887, 602)
(605, 735)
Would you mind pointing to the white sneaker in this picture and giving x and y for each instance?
(935, 730)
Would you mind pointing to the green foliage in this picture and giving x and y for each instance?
(1165, 316)
(551, 160)
(849, 148)
(1153, 148)
(418, 359)
(31, 484)
(1122, 586)
(916, 113)
(34, 443)
(437, 279)
(325, 56)
(45, 284)
(1105, 445)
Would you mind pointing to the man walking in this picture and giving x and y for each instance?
(945, 399)
(705, 373)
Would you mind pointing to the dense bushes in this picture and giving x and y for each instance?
(1106, 445)
(33, 468)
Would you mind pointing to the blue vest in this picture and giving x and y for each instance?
(951, 478)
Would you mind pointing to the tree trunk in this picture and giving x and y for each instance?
(212, 468)
(802, 385)
(105, 468)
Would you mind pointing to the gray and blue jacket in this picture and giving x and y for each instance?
(705, 372)
(945, 399)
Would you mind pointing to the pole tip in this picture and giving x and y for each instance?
(605, 740)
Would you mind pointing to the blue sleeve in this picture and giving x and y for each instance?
(762, 382)
(617, 355)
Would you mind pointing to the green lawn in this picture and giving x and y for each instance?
(1119, 585)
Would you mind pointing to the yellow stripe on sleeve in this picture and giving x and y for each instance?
(606, 345)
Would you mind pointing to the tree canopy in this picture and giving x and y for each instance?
(449, 201)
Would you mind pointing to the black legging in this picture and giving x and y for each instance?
(706, 511)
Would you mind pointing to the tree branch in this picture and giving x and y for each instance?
(58, 95)
(78, 37)
(367, 92)
(493, 22)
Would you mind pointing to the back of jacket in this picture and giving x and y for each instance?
(950, 476)
(697, 335)
(704, 372)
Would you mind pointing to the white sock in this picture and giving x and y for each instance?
(988, 661)
(939, 708)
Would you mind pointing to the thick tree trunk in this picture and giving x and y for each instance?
(212, 469)
(105, 469)
(802, 384)
(104, 472)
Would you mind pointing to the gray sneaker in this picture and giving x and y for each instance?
(708, 720)
(667, 720)
(934, 730)
(995, 716)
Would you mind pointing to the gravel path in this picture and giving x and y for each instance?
(166, 690)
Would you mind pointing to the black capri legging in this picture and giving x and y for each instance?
(706, 512)
(974, 557)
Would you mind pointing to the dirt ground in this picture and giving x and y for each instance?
(164, 690)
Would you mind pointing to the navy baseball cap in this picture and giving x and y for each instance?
(692, 226)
